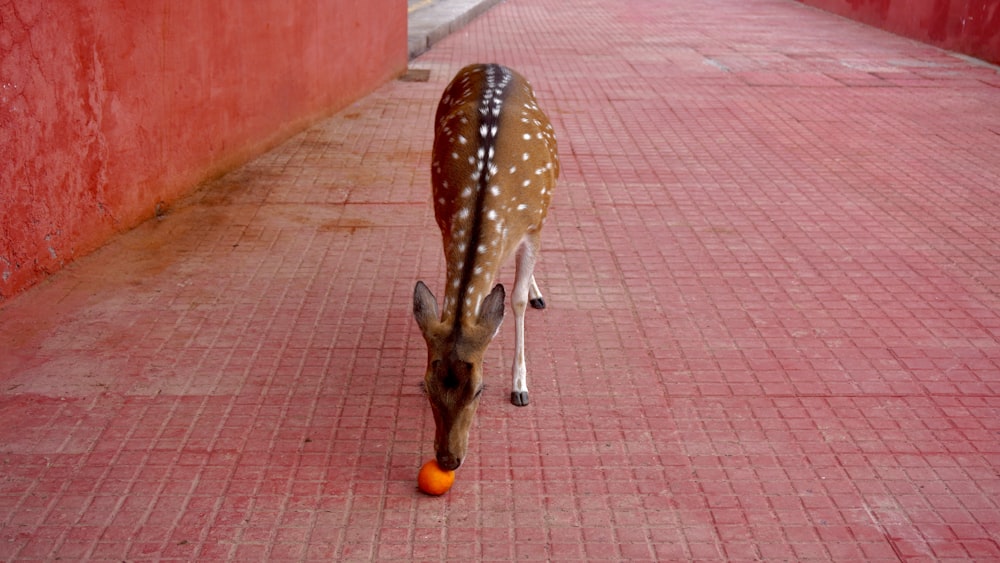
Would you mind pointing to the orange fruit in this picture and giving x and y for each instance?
(433, 480)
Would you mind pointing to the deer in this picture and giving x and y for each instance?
(494, 165)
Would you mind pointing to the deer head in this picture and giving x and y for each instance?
(454, 376)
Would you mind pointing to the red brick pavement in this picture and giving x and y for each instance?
(773, 270)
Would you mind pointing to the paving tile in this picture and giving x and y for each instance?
(773, 331)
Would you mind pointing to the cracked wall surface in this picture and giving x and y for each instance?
(110, 110)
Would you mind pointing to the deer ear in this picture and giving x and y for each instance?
(425, 307)
(491, 310)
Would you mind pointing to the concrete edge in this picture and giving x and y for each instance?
(430, 25)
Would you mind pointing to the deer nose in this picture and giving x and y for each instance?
(448, 462)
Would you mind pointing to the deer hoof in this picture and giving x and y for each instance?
(537, 303)
(519, 398)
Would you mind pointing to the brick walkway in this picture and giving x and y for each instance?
(773, 275)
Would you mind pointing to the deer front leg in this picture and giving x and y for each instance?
(523, 284)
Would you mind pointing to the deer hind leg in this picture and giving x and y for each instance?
(535, 298)
(524, 285)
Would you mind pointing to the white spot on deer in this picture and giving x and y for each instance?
(513, 169)
(463, 213)
(527, 183)
(527, 136)
(491, 215)
(467, 192)
(462, 139)
(522, 207)
(525, 156)
(454, 155)
(481, 248)
(495, 190)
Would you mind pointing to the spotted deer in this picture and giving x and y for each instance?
(494, 166)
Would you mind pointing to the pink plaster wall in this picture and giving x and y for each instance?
(109, 107)
(966, 26)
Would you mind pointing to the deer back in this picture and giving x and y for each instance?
(494, 165)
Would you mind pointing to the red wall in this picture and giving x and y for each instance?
(109, 107)
(967, 26)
